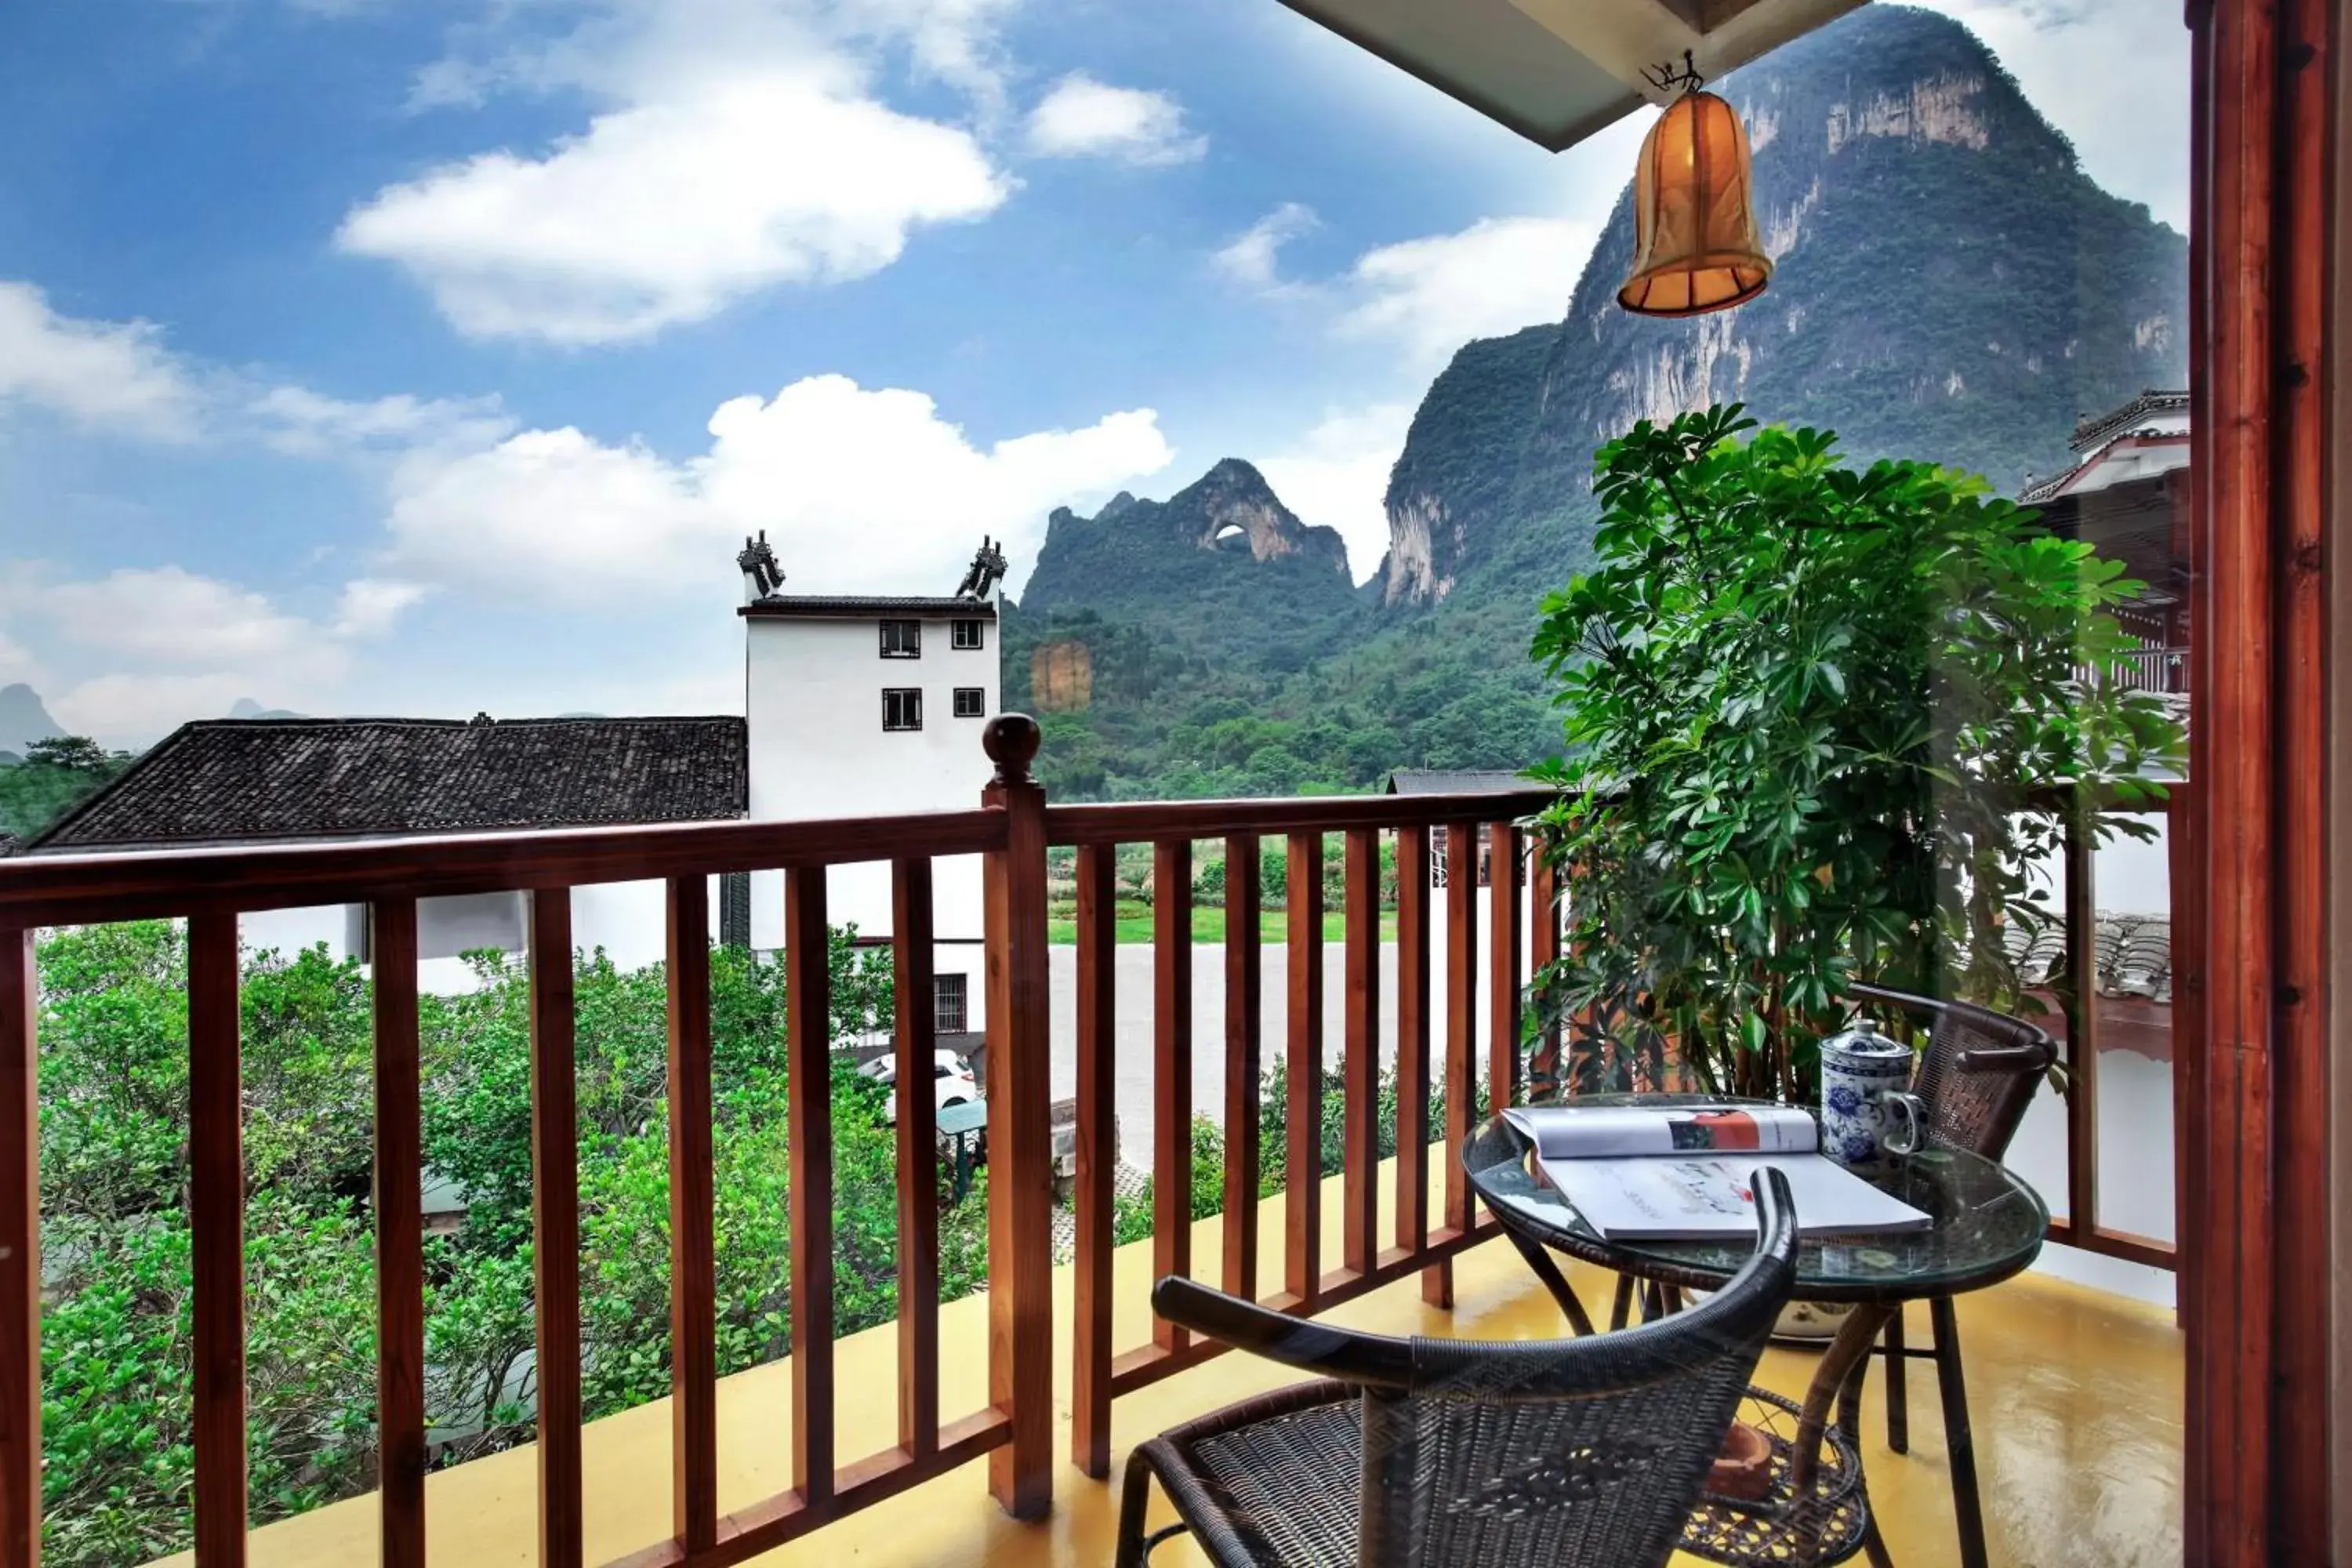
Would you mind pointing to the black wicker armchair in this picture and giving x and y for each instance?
(1579, 1453)
(1974, 1080)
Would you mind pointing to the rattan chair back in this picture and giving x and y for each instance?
(1978, 1072)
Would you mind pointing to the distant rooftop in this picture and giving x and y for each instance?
(852, 606)
(1474, 781)
(236, 780)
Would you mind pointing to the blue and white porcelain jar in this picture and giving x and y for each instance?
(1869, 1118)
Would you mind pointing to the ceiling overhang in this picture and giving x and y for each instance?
(1556, 71)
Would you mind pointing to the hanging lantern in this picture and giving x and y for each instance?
(1695, 247)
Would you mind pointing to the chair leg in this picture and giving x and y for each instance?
(1134, 1495)
(1622, 1310)
(1959, 1441)
(1898, 1394)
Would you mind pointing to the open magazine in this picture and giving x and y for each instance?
(1686, 1172)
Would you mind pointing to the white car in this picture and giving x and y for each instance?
(952, 1080)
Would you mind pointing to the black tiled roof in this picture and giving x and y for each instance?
(1475, 781)
(853, 605)
(234, 781)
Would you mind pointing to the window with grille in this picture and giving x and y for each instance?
(968, 634)
(902, 708)
(948, 1016)
(902, 639)
(971, 702)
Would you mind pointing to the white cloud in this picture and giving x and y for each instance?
(298, 420)
(859, 490)
(2129, 117)
(1084, 118)
(664, 213)
(112, 374)
(369, 606)
(1254, 258)
(1337, 476)
(1433, 295)
(137, 710)
(167, 614)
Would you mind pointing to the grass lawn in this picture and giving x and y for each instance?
(1208, 925)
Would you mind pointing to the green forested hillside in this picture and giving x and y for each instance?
(1948, 285)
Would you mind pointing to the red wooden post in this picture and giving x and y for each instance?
(918, 1158)
(1244, 1057)
(1543, 948)
(808, 1117)
(216, 1225)
(1302, 1251)
(1020, 1141)
(1172, 1072)
(1412, 1040)
(1360, 1053)
(399, 1238)
(1503, 966)
(1098, 1127)
(1461, 1037)
(555, 1224)
(693, 1285)
(20, 1256)
(2081, 1007)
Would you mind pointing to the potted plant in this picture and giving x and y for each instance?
(1819, 724)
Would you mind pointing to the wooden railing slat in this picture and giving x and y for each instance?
(555, 1224)
(1461, 1035)
(1544, 1066)
(20, 1253)
(1245, 995)
(1412, 1039)
(216, 1226)
(808, 1009)
(694, 1268)
(1097, 1129)
(1135, 822)
(1360, 1053)
(911, 949)
(1302, 1223)
(1503, 966)
(399, 1237)
(1172, 1071)
(2082, 1003)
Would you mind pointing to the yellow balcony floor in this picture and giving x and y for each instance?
(2075, 1396)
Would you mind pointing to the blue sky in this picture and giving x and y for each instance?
(430, 356)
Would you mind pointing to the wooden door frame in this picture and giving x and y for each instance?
(2251, 1086)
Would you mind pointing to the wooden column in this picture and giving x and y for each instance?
(2255, 1198)
(399, 1238)
(555, 1226)
(20, 1255)
(1020, 1144)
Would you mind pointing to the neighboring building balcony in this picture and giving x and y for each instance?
(985, 1430)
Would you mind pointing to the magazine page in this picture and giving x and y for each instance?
(1702, 1199)
(1616, 1132)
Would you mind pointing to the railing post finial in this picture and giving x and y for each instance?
(1011, 741)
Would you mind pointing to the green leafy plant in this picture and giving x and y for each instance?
(1820, 722)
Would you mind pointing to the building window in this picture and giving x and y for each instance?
(948, 1003)
(902, 639)
(971, 702)
(902, 708)
(968, 634)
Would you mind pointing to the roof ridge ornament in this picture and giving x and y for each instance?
(987, 570)
(761, 576)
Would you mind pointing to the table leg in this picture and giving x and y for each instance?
(1849, 1350)
(1898, 1401)
(1540, 1260)
(1960, 1439)
(1622, 1312)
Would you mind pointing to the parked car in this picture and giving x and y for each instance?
(952, 1080)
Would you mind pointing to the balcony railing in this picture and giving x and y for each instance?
(1013, 832)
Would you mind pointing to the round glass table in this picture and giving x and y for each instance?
(1988, 1226)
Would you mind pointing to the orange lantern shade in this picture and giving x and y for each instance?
(1696, 245)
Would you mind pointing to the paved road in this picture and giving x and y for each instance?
(1133, 993)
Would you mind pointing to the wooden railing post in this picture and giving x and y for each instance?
(1098, 1135)
(1020, 1145)
(20, 1256)
(555, 1224)
(217, 1228)
(693, 1268)
(399, 1238)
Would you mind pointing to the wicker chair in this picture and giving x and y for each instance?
(1580, 1453)
(1975, 1079)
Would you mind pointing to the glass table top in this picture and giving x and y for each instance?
(1988, 1225)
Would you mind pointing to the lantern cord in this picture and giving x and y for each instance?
(1671, 77)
